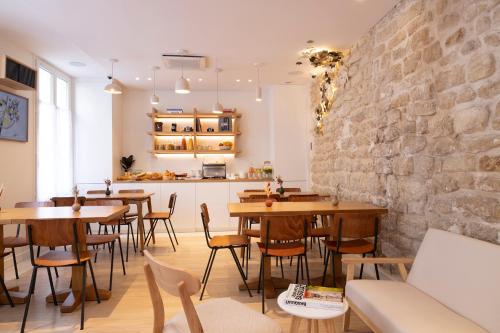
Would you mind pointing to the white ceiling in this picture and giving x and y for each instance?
(237, 33)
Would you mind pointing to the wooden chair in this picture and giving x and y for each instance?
(215, 243)
(131, 216)
(356, 227)
(292, 189)
(156, 216)
(283, 236)
(54, 233)
(17, 241)
(123, 221)
(107, 239)
(2, 284)
(67, 201)
(221, 315)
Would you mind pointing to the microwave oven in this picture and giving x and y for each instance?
(214, 171)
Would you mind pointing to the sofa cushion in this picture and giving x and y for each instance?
(223, 315)
(394, 306)
(462, 273)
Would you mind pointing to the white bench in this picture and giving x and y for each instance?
(453, 286)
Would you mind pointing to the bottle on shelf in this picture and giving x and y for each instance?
(183, 144)
(190, 144)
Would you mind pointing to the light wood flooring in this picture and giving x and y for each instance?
(130, 309)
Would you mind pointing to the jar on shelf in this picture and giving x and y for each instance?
(267, 170)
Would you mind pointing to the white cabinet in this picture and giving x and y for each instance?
(216, 196)
(184, 218)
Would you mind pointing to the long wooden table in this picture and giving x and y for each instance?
(69, 297)
(283, 197)
(130, 199)
(259, 209)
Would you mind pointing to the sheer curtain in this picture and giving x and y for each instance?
(54, 135)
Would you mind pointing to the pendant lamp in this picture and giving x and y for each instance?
(155, 99)
(113, 87)
(218, 108)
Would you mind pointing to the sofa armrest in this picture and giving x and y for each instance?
(400, 262)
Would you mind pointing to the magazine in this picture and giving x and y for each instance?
(314, 296)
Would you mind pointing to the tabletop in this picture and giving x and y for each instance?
(86, 213)
(301, 208)
(119, 196)
(310, 313)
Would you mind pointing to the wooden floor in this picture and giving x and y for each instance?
(130, 309)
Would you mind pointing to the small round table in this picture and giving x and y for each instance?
(312, 315)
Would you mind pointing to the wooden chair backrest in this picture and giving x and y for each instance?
(31, 204)
(283, 228)
(171, 202)
(176, 282)
(53, 233)
(264, 196)
(292, 189)
(139, 190)
(354, 225)
(205, 217)
(97, 192)
(250, 190)
(67, 201)
(304, 197)
(103, 202)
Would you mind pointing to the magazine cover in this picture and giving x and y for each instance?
(314, 296)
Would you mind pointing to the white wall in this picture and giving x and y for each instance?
(93, 131)
(254, 142)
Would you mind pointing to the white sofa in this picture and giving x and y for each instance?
(453, 286)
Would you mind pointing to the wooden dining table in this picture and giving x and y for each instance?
(283, 197)
(259, 209)
(130, 199)
(69, 298)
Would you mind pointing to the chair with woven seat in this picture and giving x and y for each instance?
(54, 233)
(164, 216)
(215, 243)
(283, 236)
(352, 234)
(13, 242)
(107, 239)
(220, 315)
(3, 286)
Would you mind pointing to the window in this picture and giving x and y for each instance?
(54, 134)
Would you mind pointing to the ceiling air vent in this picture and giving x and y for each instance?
(185, 61)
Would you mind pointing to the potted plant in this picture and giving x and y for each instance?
(280, 188)
(126, 163)
(267, 189)
(108, 184)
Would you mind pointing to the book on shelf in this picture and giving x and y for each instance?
(314, 296)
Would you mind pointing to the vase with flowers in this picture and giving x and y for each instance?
(108, 184)
(76, 205)
(280, 188)
(267, 190)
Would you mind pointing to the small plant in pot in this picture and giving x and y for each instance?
(126, 163)
(108, 184)
(267, 189)
(280, 188)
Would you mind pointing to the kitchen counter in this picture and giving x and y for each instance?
(197, 180)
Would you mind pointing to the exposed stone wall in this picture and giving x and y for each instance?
(417, 126)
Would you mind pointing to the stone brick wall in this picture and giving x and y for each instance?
(417, 126)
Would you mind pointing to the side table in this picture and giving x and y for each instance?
(313, 316)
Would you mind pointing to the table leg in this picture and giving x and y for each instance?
(150, 210)
(315, 326)
(309, 325)
(294, 327)
(140, 226)
(16, 296)
(271, 284)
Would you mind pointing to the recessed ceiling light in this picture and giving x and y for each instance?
(200, 79)
(149, 79)
(288, 82)
(295, 73)
(77, 64)
(137, 78)
(238, 80)
(249, 80)
(310, 41)
(188, 79)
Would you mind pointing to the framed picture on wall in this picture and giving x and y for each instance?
(13, 117)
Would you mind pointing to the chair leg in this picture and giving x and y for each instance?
(121, 255)
(112, 262)
(376, 268)
(15, 263)
(83, 294)
(259, 284)
(6, 291)
(169, 236)
(98, 298)
(281, 264)
(128, 237)
(52, 290)
(327, 257)
(238, 265)
(319, 248)
(173, 231)
(297, 274)
(134, 243)
(301, 269)
(208, 265)
(57, 272)
(333, 271)
(208, 274)
(248, 258)
(30, 292)
(361, 269)
(262, 282)
(307, 268)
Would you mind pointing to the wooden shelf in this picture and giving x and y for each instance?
(215, 152)
(171, 133)
(217, 133)
(173, 152)
(192, 115)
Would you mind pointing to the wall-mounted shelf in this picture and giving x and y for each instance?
(201, 139)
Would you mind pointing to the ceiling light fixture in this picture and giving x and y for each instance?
(182, 85)
(113, 87)
(218, 108)
(137, 78)
(238, 80)
(188, 79)
(149, 79)
(155, 99)
(77, 64)
(200, 79)
(249, 80)
(258, 92)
